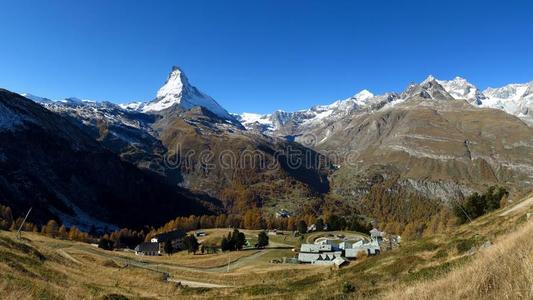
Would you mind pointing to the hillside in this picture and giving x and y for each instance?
(489, 258)
(186, 137)
(215, 157)
(465, 148)
(50, 164)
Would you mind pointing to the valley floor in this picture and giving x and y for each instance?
(490, 258)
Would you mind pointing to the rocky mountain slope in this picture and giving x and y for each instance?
(47, 162)
(436, 140)
(443, 139)
(442, 149)
(182, 121)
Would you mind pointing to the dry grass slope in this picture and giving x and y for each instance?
(454, 265)
(502, 271)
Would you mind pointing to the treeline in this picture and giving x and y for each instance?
(233, 241)
(406, 214)
(399, 211)
(123, 238)
(477, 205)
(51, 228)
(255, 219)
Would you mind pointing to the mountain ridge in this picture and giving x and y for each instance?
(394, 137)
(515, 99)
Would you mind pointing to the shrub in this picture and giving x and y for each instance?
(165, 276)
(348, 287)
(262, 239)
(441, 254)
(463, 246)
(105, 244)
(302, 227)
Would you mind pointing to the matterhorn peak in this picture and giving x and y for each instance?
(174, 85)
(178, 91)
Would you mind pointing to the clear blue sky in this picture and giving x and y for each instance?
(258, 56)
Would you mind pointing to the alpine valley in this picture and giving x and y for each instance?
(395, 158)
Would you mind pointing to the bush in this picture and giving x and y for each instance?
(319, 224)
(165, 276)
(262, 239)
(477, 205)
(464, 245)
(105, 244)
(348, 287)
(336, 223)
(191, 244)
(442, 253)
(302, 227)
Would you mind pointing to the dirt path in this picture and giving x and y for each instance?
(241, 262)
(524, 203)
(68, 256)
(197, 284)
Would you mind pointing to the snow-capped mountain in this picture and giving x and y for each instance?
(430, 88)
(36, 98)
(293, 123)
(177, 91)
(515, 99)
(460, 88)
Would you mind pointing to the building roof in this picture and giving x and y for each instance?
(308, 257)
(314, 248)
(147, 247)
(313, 257)
(345, 245)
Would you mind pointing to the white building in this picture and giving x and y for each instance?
(371, 248)
(315, 248)
(346, 245)
(319, 254)
(323, 258)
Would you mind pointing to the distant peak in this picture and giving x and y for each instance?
(363, 95)
(430, 78)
